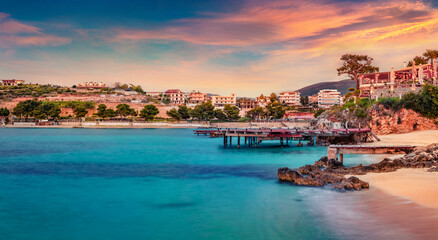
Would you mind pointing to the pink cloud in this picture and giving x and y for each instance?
(14, 33)
(272, 22)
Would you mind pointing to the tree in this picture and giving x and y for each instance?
(124, 110)
(220, 115)
(431, 54)
(26, 108)
(164, 98)
(173, 113)
(275, 110)
(203, 111)
(354, 65)
(418, 60)
(232, 112)
(304, 100)
(149, 111)
(256, 113)
(184, 112)
(80, 111)
(101, 110)
(109, 113)
(4, 113)
(47, 109)
(138, 89)
(273, 97)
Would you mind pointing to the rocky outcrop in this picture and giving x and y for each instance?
(381, 120)
(386, 121)
(330, 172)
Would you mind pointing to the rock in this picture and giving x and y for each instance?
(333, 163)
(311, 170)
(287, 175)
(331, 172)
(352, 183)
(321, 162)
(433, 169)
(385, 121)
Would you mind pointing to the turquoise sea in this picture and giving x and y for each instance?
(163, 184)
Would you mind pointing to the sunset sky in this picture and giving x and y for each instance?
(246, 47)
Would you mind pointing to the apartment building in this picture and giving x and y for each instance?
(176, 96)
(196, 97)
(220, 101)
(328, 98)
(12, 82)
(94, 85)
(263, 101)
(290, 98)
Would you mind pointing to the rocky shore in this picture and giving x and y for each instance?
(331, 173)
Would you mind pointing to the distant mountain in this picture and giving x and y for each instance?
(342, 86)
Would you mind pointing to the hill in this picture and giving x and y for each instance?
(342, 86)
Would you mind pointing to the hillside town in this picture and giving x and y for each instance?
(46, 104)
(13, 91)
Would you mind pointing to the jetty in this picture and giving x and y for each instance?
(334, 150)
(254, 136)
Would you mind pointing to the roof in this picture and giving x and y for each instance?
(173, 91)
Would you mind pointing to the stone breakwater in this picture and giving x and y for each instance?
(330, 172)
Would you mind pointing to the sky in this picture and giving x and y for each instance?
(247, 47)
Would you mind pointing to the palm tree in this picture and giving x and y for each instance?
(431, 54)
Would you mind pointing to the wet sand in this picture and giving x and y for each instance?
(415, 184)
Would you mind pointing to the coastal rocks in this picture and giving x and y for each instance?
(352, 183)
(434, 169)
(311, 175)
(330, 172)
(385, 121)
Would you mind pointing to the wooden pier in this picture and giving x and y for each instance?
(253, 137)
(334, 150)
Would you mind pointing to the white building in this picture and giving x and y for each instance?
(220, 101)
(95, 85)
(290, 98)
(176, 96)
(328, 98)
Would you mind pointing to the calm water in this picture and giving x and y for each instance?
(157, 184)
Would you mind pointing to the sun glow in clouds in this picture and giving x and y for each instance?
(257, 47)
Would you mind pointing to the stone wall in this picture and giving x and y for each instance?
(384, 121)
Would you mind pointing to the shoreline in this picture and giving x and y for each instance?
(169, 126)
(415, 184)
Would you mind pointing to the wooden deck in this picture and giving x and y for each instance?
(334, 150)
(254, 136)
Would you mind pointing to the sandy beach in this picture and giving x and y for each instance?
(417, 185)
(417, 138)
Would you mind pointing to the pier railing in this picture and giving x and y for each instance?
(257, 135)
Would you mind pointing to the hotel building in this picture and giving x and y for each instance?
(196, 97)
(263, 101)
(176, 96)
(93, 85)
(12, 82)
(290, 98)
(220, 101)
(328, 98)
(397, 82)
